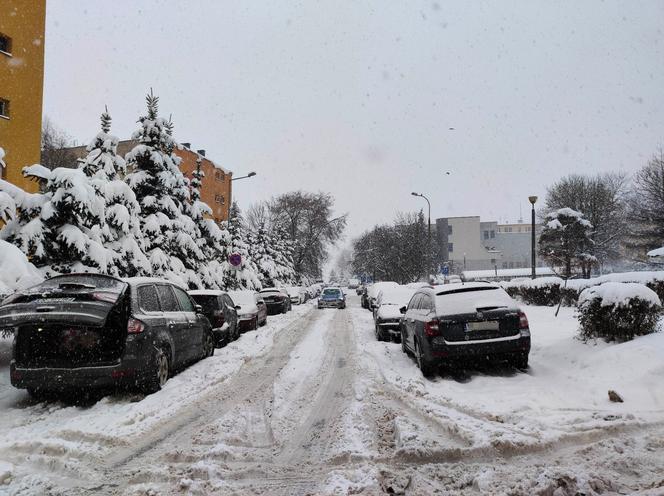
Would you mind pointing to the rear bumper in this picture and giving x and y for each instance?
(275, 307)
(124, 373)
(501, 348)
(391, 327)
(330, 304)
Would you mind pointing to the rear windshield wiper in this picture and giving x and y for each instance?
(75, 285)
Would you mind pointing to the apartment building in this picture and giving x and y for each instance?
(21, 86)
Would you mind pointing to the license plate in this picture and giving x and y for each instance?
(488, 325)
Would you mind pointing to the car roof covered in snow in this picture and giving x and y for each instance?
(135, 281)
(206, 292)
(468, 286)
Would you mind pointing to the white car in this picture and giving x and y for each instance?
(387, 314)
(296, 294)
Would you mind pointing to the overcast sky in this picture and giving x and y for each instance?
(370, 100)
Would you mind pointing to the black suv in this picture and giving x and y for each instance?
(462, 322)
(90, 331)
(221, 312)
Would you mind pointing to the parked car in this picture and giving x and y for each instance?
(372, 292)
(277, 300)
(364, 297)
(353, 283)
(461, 322)
(297, 295)
(387, 311)
(251, 309)
(220, 310)
(332, 298)
(90, 331)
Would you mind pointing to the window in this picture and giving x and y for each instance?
(147, 299)
(185, 302)
(413, 301)
(167, 299)
(493, 234)
(219, 199)
(219, 175)
(511, 265)
(486, 234)
(450, 247)
(4, 107)
(449, 230)
(504, 265)
(5, 44)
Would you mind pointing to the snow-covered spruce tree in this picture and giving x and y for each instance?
(171, 235)
(272, 255)
(214, 241)
(245, 276)
(565, 241)
(121, 232)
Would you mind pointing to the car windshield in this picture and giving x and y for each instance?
(328, 247)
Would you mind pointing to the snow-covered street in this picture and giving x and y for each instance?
(313, 404)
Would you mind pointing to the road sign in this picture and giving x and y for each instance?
(235, 259)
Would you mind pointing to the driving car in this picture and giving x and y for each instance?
(387, 311)
(251, 309)
(276, 299)
(220, 310)
(91, 331)
(455, 323)
(332, 298)
(353, 283)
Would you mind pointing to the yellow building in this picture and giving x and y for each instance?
(21, 86)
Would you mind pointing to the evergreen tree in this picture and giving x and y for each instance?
(244, 276)
(272, 255)
(566, 241)
(122, 233)
(171, 236)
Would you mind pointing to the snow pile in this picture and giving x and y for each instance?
(656, 253)
(619, 294)
(16, 272)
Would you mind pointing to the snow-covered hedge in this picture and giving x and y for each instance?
(550, 290)
(618, 311)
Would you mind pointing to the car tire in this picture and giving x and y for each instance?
(161, 370)
(254, 324)
(262, 324)
(425, 367)
(403, 344)
(379, 333)
(208, 345)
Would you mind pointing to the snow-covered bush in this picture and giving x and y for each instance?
(544, 291)
(618, 311)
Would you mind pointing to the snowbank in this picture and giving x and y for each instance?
(16, 272)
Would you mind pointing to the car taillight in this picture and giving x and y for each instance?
(523, 321)
(431, 328)
(106, 296)
(135, 326)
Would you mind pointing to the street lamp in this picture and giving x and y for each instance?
(251, 174)
(429, 224)
(532, 200)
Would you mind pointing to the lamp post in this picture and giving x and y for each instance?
(429, 222)
(532, 200)
(251, 174)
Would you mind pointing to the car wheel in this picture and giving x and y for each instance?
(254, 325)
(208, 345)
(424, 366)
(264, 322)
(379, 333)
(160, 372)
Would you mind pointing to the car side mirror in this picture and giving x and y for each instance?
(238, 307)
(403, 309)
(198, 308)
